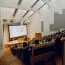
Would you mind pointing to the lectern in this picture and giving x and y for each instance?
(38, 36)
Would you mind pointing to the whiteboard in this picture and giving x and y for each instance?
(16, 31)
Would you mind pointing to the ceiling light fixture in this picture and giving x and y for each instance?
(41, 6)
(31, 15)
(15, 11)
(34, 3)
(46, 1)
(26, 13)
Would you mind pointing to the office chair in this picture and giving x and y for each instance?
(58, 43)
(36, 42)
(27, 52)
(25, 44)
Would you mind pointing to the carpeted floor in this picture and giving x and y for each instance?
(8, 59)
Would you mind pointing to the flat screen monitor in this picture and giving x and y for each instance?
(17, 31)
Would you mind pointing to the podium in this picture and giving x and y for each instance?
(38, 36)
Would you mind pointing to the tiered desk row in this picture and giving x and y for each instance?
(43, 53)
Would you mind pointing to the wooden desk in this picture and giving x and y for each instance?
(46, 55)
(37, 57)
(10, 43)
(41, 56)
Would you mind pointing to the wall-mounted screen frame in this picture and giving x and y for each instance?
(17, 31)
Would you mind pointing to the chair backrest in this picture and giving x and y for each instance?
(36, 42)
(58, 43)
(25, 44)
(27, 52)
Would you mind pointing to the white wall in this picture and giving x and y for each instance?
(1, 36)
(47, 17)
(6, 34)
(34, 26)
(46, 14)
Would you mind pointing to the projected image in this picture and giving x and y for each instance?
(17, 31)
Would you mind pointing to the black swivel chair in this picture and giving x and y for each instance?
(25, 44)
(36, 42)
(58, 43)
(27, 55)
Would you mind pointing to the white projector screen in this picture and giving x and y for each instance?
(17, 31)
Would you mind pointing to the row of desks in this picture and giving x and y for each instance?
(39, 52)
(20, 46)
(35, 53)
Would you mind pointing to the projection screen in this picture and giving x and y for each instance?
(17, 31)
